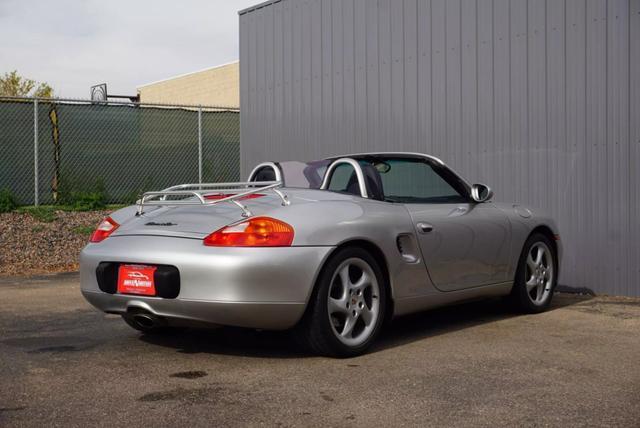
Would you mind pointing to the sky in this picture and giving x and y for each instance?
(74, 44)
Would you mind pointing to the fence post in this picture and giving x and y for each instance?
(36, 201)
(200, 145)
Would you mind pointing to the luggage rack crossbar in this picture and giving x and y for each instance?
(196, 194)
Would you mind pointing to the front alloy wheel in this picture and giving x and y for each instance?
(539, 273)
(536, 277)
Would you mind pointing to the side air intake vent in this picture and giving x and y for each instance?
(408, 248)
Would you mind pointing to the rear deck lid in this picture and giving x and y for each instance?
(191, 221)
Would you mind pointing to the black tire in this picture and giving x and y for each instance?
(316, 330)
(524, 299)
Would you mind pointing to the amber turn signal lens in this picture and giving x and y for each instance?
(255, 232)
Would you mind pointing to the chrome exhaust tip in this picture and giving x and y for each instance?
(145, 321)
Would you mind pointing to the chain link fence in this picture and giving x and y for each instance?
(50, 149)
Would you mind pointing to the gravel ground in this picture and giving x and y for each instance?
(63, 363)
(31, 246)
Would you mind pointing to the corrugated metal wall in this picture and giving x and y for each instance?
(540, 99)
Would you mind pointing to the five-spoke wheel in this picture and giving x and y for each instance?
(354, 301)
(347, 308)
(536, 277)
(539, 272)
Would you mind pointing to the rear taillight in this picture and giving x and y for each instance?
(255, 232)
(106, 228)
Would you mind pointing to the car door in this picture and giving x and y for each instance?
(464, 244)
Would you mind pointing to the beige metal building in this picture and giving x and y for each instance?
(217, 86)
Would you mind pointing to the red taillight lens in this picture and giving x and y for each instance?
(255, 232)
(217, 197)
(106, 228)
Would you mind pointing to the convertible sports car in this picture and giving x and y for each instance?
(331, 249)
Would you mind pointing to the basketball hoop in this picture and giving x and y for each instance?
(99, 92)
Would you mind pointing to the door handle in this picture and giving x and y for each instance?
(424, 227)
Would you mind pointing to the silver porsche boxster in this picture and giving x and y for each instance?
(330, 249)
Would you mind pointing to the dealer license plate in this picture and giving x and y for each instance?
(136, 279)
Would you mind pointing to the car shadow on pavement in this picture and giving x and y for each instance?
(422, 325)
(229, 341)
(401, 331)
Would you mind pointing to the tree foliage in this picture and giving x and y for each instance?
(14, 85)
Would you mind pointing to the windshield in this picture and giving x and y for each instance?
(402, 180)
(306, 175)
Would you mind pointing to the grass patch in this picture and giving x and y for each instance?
(44, 214)
(112, 207)
(83, 197)
(46, 211)
(8, 201)
(83, 230)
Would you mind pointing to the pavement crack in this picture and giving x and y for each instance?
(54, 349)
(189, 396)
(195, 374)
(12, 409)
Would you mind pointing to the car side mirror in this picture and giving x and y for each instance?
(481, 193)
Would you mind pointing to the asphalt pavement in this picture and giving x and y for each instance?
(477, 364)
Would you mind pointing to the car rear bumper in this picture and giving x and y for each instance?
(264, 288)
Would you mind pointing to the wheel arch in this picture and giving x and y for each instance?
(378, 255)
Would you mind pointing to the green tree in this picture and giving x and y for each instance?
(14, 85)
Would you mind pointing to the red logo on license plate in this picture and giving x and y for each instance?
(136, 279)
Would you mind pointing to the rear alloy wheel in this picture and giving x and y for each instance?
(536, 278)
(354, 302)
(348, 305)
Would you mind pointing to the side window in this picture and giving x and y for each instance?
(343, 179)
(412, 181)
